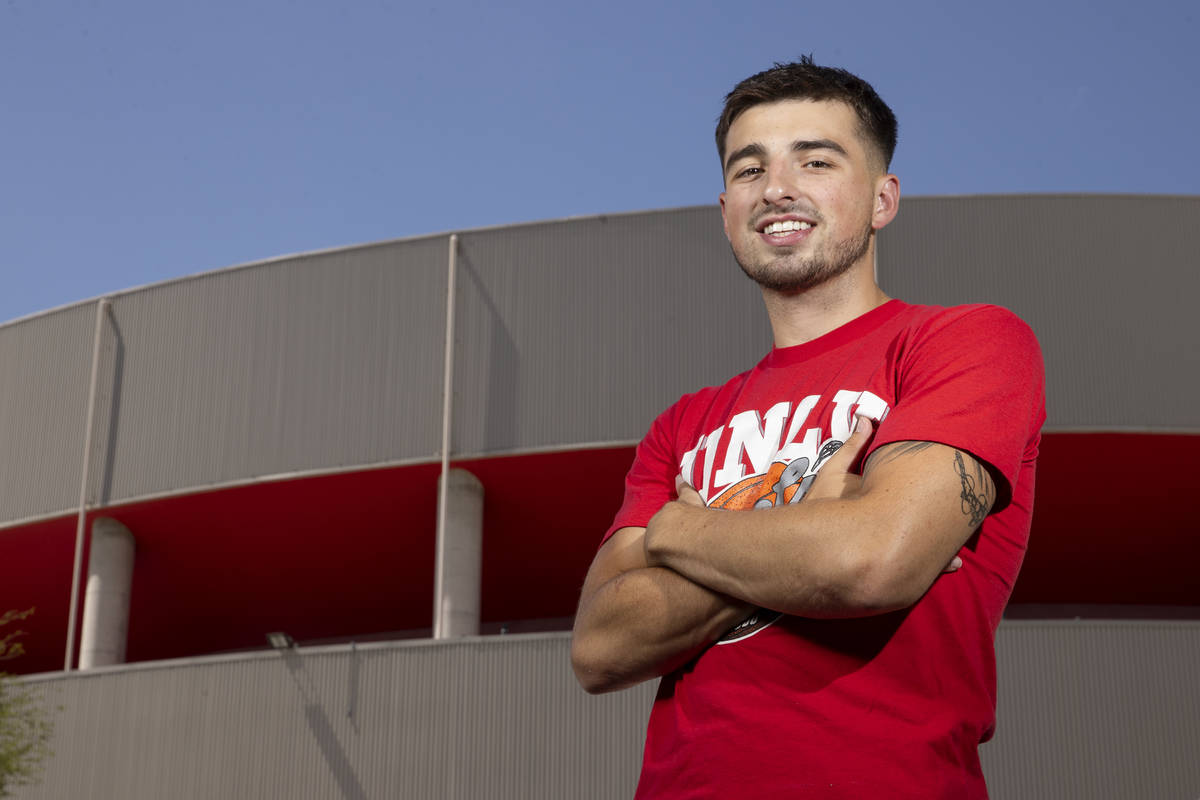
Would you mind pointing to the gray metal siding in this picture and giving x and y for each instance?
(320, 362)
(1107, 283)
(1092, 710)
(45, 364)
(567, 333)
(497, 718)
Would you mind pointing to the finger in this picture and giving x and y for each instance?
(954, 564)
(850, 451)
(686, 493)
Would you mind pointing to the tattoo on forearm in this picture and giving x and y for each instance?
(893, 451)
(977, 492)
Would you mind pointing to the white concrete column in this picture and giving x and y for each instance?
(459, 557)
(106, 601)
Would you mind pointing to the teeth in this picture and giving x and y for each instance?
(786, 226)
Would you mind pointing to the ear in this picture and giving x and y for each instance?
(887, 201)
(724, 219)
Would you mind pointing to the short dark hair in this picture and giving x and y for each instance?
(804, 80)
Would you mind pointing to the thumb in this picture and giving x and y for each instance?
(852, 449)
(686, 493)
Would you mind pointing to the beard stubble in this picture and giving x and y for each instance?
(792, 273)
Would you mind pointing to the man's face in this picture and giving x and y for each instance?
(803, 194)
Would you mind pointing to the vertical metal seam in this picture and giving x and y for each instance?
(72, 613)
(439, 624)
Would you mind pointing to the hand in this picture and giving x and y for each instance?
(687, 495)
(836, 481)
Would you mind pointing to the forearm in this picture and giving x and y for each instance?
(852, 547)
(644, 623)
(787, 559)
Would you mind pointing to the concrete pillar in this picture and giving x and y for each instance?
(106, 600)
(460, 556)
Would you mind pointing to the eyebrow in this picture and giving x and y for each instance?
(818, 144)
(753, 149)
(799, 146)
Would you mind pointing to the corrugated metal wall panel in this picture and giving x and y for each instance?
(1092, 710)
(317, 362)
(584, 330)
(568, 332)
(45, 366)
(1108, 284)
(496, 718)
(1096, 710)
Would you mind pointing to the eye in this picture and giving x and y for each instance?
(819, 164)
(747, 172)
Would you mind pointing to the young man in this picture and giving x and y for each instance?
(815, 556)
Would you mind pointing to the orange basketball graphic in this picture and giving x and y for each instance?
(748, 491)
(779, 485)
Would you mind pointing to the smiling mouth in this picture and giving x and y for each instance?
(786, 226)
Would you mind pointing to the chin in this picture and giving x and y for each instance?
(794, 273)
(793, 279)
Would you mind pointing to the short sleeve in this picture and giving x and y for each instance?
(650, 482)
(972, 378)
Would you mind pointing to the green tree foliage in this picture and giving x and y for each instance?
(24, 729)
(10, 648)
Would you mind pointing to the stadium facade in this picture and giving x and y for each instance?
(272, 436)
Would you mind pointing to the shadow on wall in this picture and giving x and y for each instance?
(503, 365)
(112, 360)
(322, 729)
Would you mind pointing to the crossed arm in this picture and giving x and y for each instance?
(655, 597)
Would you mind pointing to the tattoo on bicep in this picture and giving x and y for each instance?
(890, 452)
(977, 492)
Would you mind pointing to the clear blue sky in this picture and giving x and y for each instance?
(140, 141)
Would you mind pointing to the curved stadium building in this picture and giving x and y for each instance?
(272, 435)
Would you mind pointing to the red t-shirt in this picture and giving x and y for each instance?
(892, 705)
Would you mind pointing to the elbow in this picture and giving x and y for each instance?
(593, 679)
(594, 683)
(884, 594)
(880, 582)
(594, 671)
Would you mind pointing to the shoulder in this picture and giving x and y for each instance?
(972, 314)
(982, 325)
(971, 355)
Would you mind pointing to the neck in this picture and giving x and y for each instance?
(799, 317)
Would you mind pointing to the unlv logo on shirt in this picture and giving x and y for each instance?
(762, 467)
(751, 442)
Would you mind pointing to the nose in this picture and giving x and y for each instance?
(779, 186)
